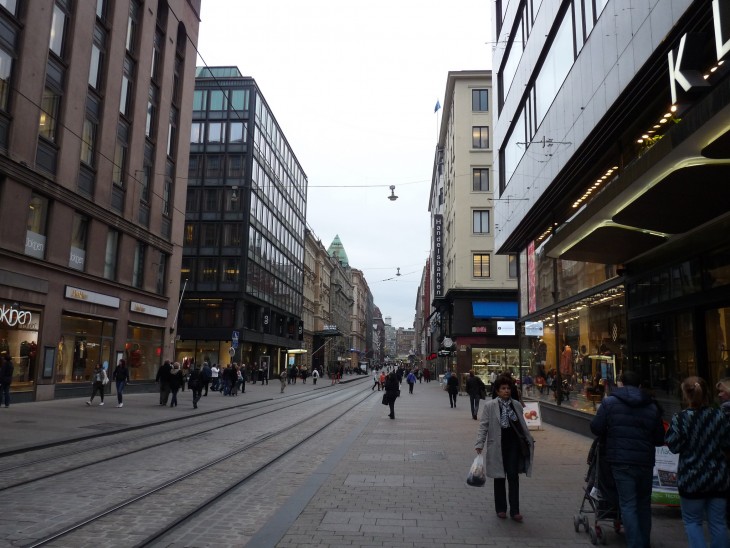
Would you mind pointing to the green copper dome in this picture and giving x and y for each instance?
(337, 250)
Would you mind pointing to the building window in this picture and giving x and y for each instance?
(161, 273)
(150, 125)
(132, 27)
(157, 43)
(512, 258)
(234, 167)
(480, 176)
(211, 200)
(10, 5)
(200, 97)
(209, 235)
(35, 236)
(50, 105)
(215, 132)
(239, 99)
(213, 168)
(6, 68)
(481, 221)
(197, 130)
(480, 137)
(231, 235)
(58, 28)
(120, 162)
(166, 192)
(172, 133)
(481, 265)
(208, 270)
(125, 98)
(236, 132)
(110, 255)
(138, 266)
(195, 166)
(190, 237)
(217, 100)
(88, 140)
(101, 9)
(79, 228)
(230, 271)
(479, 100)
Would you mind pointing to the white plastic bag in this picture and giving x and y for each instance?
(477, 476)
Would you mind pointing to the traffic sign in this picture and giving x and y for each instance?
(234, 339)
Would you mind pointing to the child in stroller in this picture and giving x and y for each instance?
(600, 497)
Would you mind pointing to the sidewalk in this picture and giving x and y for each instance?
(402, 483)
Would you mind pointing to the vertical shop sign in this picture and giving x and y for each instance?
(438, 256)
(531, 278)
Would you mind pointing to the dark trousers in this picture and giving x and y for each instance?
(510, 461)
(474, 402)
(5, 394)
(173, 402)
(452, 398)
(164, 393)
(97, 387)
(206, 383)
(391, 404)
(410, 387)
(120, 390)
(197, 392)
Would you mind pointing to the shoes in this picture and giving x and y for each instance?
(172, 405)
(88, 403)
(517, 517)
(474, 417)
(392, 416)
(502, 515)
(101, 403)
(195, 406)
(120, 405)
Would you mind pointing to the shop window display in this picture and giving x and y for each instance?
(581, 352)
(19, 340)
(143, 351)
(488, 363)
(83, 343)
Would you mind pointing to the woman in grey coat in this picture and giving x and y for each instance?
(504, 460)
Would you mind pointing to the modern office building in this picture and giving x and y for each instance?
(473, 290)
(243, 254)
(93, 98)
(613, 120)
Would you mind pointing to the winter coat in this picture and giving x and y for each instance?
(632, 425)
(475, 387)
(701, 437)
(392, 387)
(121, 374)
(452, 385)
(490, 431)
(6, 372)
(411, 378)
(176, 379)
(163, 373)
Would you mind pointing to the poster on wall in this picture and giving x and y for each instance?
(664, 490)
(532, 415)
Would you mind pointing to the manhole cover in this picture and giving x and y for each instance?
(104, 426)
(427, 455)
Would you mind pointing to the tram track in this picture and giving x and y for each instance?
(206, 485)
(211, 417)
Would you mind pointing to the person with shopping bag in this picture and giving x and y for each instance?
(509, 447)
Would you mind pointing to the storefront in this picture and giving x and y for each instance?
(19, 328)
(84, 342)
(254, 356)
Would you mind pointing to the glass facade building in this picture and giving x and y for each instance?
(243, 246)
(622, 239)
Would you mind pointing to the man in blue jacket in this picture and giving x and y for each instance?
(630, 422)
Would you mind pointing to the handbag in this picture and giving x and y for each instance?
(477, 475)
(521, 439)
(385, 399)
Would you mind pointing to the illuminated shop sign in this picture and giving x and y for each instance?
(14, 317)
(534, 329)
(686, 62)
(141, 308)
(506, 328)
(79, 294)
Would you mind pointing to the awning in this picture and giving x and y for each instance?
(495, 309)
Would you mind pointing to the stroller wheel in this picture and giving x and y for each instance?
(600, 535)
(577, 522)
(594, 537)
(617, 525)
(586, 524)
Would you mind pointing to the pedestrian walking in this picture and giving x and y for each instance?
(452, 387)
(631, 423)
(282, 379)
(392, 391)
(206, 374)
(163, 377)
(6, 379)
(265, 377)
(315, 376)
(195, 383)
(214, 377)
(411, 380)
(723, 393)
(121, 378)
(382, 379)
(510, 447)
(477, 391)
(701, 436)
(176, 381)
(427, 375)
(98, 380)
(376, 381)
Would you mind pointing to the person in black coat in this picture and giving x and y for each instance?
(452, 387)
(195, 383)
(6, 379)
(476, 390)
(121, 378)
(176, 382)
(392, 391)
(163, 377)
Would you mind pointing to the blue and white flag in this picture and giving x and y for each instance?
(438, 106)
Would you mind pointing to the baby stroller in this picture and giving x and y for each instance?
(599, 498)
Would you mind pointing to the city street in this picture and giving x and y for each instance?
(365, 481)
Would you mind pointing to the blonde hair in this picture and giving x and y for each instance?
(724, 385)
(695, 392)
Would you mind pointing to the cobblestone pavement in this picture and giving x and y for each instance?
(371, 482)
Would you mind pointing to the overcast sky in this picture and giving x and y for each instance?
(353, 86)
